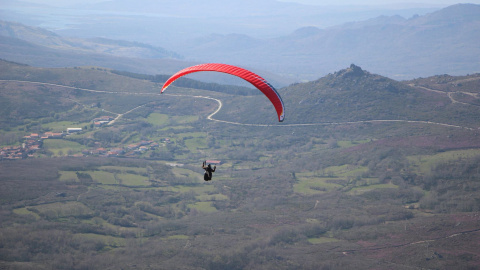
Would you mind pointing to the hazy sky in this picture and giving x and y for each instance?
(312, 2)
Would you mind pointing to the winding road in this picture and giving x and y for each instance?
(220, 105)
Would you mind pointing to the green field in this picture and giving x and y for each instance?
(196, 143)
(134, 180)
(25, 211)
(68, 176)
(110, 241)
(158, 119)
(425, 163)
(61, 147)
(181, 172)
(103, 177)
(314, 185)
(61, 210)
(331, 178)
(345, 170)
(185, 119)
(346, 144)
(205, 207)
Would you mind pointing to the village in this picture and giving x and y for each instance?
(34, 142)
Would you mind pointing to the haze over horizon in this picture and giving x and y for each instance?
(292, 40)
(183, 20)
(264, 18)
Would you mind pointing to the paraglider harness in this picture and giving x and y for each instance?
(208, 171)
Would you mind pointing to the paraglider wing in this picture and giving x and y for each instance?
(257, 81)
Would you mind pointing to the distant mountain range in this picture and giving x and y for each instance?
(445, 41)
(442, 42)
(120, 48)
(168, 22)
(42, 48)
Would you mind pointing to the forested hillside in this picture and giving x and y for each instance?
(365, 172)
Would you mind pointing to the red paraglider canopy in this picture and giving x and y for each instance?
(257, 81)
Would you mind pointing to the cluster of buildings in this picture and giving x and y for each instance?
(31, 144)
(13, 152)
(34, 142)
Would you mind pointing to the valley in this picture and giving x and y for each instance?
(329, 188)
